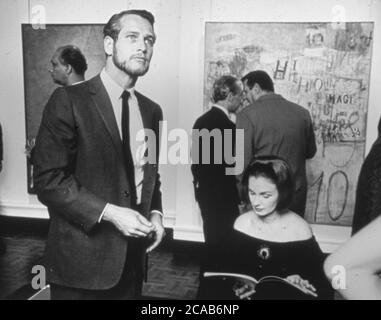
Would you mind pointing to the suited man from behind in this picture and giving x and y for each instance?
(104, 205)
(1, 149)
(215, 191)
(276, 126)
(2, 245)
(368, 193)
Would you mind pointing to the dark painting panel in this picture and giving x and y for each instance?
(39, 46)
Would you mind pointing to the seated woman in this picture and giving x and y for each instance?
(271, 240)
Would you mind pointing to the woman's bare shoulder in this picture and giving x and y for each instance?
(298, 226)
(243, 221)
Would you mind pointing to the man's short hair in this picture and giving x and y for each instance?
(261, 78)
(112, 28)
(72, 55)
(276, 170)
(223, 85)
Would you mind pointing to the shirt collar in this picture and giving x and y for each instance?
(78, 82)
(112, 88)
(222, 108)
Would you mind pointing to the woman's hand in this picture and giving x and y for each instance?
(304, 285)
(244, 289)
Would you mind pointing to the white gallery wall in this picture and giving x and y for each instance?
(175, 81)
(160, 84)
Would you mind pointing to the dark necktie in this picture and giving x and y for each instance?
(126, 146)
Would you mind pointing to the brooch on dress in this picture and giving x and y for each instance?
(264, 252)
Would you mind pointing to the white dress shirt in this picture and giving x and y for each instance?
(136, 125)
(222, 109)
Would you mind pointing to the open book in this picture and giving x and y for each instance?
(268, 282)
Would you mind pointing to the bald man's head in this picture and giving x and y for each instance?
(68, 65)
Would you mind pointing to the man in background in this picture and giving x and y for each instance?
(276, 126)
(368, 193)
(215, 191)
(2, 244)
(68, 66)
(104, 200)
(1, 149)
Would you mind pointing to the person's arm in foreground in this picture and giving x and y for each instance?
(360, 257)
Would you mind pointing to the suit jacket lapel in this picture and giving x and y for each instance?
(144, 111)
(103, 104)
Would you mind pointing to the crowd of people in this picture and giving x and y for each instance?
(105, 204)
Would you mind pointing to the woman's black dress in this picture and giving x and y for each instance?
(258, 258)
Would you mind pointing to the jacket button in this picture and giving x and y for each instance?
(126, 194)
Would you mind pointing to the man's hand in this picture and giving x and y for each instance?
(129, 222)
(159, 232)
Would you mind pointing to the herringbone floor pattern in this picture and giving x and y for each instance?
(172, 275)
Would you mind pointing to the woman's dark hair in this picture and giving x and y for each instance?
(275, 169)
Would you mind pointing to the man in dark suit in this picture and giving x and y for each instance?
(368, 194)
(275, 126)
(1, 149)
(104, 202)
(215, 189)
(2, 245)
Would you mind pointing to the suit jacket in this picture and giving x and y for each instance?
(211, 179)
(79, 167)
(276, 126)
(1, 144)
(368, 195)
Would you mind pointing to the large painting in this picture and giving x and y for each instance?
(326, 69)
(39, 46)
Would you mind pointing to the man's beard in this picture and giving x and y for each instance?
(123, 66)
